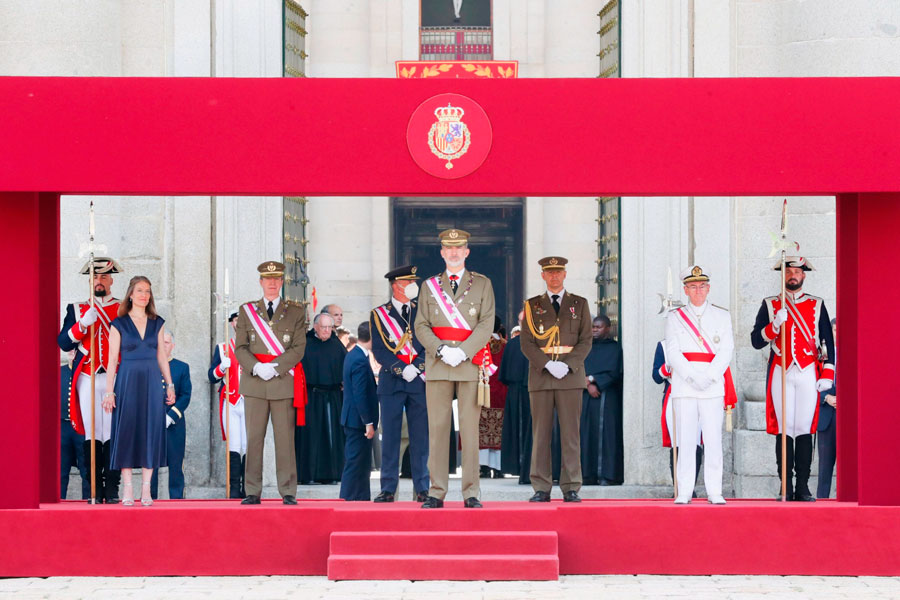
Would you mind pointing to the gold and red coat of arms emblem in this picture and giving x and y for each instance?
(449, 138)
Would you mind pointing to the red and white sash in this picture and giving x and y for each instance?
(275, 349)
(462, 330)
(802, 326)
(447, 306)
(265, 333)
(406, 353)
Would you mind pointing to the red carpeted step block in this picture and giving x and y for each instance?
(444, 555)
(444, 542)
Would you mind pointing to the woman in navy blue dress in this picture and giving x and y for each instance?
(136, 395)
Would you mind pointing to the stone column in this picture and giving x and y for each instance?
(339, 38)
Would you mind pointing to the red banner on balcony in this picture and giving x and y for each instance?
(457, 69)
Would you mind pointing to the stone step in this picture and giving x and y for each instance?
(444, 555)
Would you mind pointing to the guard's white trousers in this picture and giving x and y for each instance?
(102, 419)
(237, 427)
(801, 398)
(707, 414)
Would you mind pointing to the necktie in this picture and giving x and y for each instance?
(270, 311)
(405, 312)
(555, 298)
(454, 285)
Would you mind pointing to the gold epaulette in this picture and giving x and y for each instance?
(719, 307)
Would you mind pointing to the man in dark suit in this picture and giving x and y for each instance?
(359, 418)
(401, 384)
(827, 440)
(176, 430)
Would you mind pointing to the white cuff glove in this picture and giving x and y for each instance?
(226, 362)
(824, 384)
(410, 373)
(702, 381)
(452, 356)
(89, 317)
(780, 318)
(557, 368)
(169, 421)
(265, 371)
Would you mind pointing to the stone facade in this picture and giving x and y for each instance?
(185, 244)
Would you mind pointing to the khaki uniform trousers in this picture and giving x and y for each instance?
(568, 410)
(284, 416)
(439, 401)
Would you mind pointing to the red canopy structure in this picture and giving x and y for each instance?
(321, 137)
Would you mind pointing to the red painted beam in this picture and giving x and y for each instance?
(551, 137)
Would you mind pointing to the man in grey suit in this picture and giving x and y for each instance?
(454, 323)
(270, 339)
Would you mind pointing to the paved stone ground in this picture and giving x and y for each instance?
(620, 587)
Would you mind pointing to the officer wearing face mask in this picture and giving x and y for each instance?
(401, 383)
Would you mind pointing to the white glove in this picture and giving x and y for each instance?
(89, 317)
(410, 373)
(226, 362)
(780, 318)
(557, 368)
(702, 381)
(452, 356)
(169, 421)
(265, 371)
(824, 384)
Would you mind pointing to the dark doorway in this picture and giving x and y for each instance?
(439, 13)
(497, 226)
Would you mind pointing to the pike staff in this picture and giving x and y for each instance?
(227, 338)
(669, 303)
(93, 357)
(226, 346)
(781, 244)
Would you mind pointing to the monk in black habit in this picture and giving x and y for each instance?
(602, 450)
(320, 443)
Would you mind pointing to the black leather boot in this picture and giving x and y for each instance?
(243, 471)
(234, 475)
(802, 464)
(789, 489)
(111, 477)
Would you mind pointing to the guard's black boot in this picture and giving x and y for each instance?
(789, 489)
(234, 475)
(802, 464)
(111, 477)
(243, 472)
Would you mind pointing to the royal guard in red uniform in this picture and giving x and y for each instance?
(75, 335)
(810, 369)
(224, 359)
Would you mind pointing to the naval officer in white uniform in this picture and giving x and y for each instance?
(699, 345)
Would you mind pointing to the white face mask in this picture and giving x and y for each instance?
(412, 290)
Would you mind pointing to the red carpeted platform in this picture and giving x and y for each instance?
(218, 537)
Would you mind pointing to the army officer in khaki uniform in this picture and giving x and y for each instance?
(556, 338)
(455, 320)
(269, 342)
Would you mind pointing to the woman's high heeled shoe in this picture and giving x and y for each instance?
(128, 494)
(146, 500)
